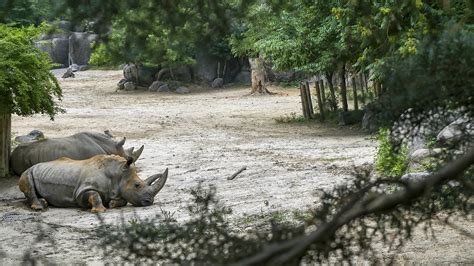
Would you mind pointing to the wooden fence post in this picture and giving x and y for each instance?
(320, 102)
(5, 138)
(310, 102)
(323, 93)
(303, 101)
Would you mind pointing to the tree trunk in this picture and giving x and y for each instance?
(5, 135)
(361, 78)
(258, 76)
(354, 90)
(332, 91)
(342, 77)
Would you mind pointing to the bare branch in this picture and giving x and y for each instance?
(281, 253)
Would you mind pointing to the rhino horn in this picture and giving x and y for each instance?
(137, 154)
(120, 143)
(158, 185)
(152, 178)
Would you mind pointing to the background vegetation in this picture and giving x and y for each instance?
(416, 55)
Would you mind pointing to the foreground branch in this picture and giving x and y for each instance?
(283, 252)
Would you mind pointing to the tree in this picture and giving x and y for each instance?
(27, 86)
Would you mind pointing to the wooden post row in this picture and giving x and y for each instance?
(5, 131)
(310, 102)
(320, 102)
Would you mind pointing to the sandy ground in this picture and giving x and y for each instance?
(204, 136)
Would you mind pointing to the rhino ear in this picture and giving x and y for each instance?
(128, 152)
(120, 143)
(137, 154)
(129, 160)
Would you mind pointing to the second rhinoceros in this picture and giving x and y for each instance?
(79, 146)
(99, 182)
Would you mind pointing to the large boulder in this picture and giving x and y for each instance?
(60, 51)
(146, 75)
(164, 88)
(454, 132)
(129, 86)
(182, 90)
(155, 85)
(130, 72)
(218, 83)
(80, 47)
(56, 48)
(182, 73)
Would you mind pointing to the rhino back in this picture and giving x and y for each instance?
(63, 182)
(74, 147)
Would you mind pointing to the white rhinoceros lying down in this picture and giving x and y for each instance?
(79, 146)
(99, 182)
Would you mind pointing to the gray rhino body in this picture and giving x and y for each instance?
(78, 146)
(103, 180)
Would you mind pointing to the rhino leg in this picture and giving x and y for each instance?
(94, 201)
(27, 186)
(117, 203)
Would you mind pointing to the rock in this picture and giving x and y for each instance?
(83, 67)
(156, 85)
(121, 84)
(57, 49)
(419, 159)
(129, 86)
(182, 90)
(369, 121)
(74, 67)
(182, 73)
(350, 118)
(60, 51)
(454, 132)
(218, 83)
(34, 135)
(80, 48)
(163, 88)
(68, 74)
(146, 75)
(130, 72)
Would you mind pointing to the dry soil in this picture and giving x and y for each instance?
(204, 136)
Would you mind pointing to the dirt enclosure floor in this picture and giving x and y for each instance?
(204, 136)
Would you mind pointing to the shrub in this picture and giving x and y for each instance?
(390, 161)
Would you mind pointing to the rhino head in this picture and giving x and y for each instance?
(137, 191)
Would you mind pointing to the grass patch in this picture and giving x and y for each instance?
(291, 118)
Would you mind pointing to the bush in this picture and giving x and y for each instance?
(390, 161)
(26, 84)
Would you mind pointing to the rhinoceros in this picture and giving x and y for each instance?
(79, 146)
(98, 182)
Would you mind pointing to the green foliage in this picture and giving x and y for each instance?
(209, 237)
(389, 161)
(291, 118)
(26, 84)
(100, 57)
(27, 12)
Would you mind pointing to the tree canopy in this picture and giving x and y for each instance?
(26, 84)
